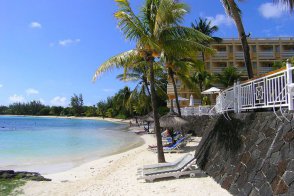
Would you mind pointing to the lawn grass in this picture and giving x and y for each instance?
(7, 186)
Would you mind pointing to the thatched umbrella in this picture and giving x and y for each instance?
(148, 118)
(172, 120)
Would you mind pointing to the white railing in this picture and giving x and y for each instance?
(195, 111)
(270, 91)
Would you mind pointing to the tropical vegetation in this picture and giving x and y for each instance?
(229, 75)
(156, 30)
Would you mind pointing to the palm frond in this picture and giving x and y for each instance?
(289, 3)
(129, 23)
(117, 61)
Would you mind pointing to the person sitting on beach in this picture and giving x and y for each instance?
(166, 133)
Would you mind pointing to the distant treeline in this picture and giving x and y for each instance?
(118, 106)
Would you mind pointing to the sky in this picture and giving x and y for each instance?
(50, 49)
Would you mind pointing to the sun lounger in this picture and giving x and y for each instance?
(176, 147)
(184, 166)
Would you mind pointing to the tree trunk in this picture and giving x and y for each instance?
(203, 58)
(160, 153)
(201, 89)
(242, 36)
(171, 75)
(146, 84)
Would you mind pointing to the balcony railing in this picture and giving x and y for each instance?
(287, 54)
(266, 55)
(263, 70)
(220, 55)
(239, 55)
(217, 69)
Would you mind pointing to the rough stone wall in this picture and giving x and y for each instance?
(252, 154)
(198, 124)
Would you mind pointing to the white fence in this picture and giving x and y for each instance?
(195, 111)
(271, 91)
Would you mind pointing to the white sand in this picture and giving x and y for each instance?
(116, 175)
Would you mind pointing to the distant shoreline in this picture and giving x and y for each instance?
(114, 120)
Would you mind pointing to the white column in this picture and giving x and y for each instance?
(235, 98)
(238, 97)
(289, 84)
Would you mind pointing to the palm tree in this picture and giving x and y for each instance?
(141, 93)
(180, 66)
(289, 3)
(205, 27)
(228, 76)
(233, 11)
(154, 30)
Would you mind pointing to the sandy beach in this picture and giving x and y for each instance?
(116, 175)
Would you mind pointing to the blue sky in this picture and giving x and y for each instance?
(49, 49)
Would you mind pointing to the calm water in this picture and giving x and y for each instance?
(50, 145)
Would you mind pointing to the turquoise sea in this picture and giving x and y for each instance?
(49, 145)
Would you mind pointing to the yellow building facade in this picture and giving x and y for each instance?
(263, 51)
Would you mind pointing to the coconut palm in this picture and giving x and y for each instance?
(233, 11)
(228, 76)
(154, 30)
(205, 27)
(200, 79)
(141, 93)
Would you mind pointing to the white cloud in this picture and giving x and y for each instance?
(35, 25)
(31, 91)
(16, 98)
(270, 10)
(58, 101)
(1, 85)
(67, 42)
(221, 19)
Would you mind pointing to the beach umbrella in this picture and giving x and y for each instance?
(148, 117)
(212, 90)
(191, 101)
(172, 120)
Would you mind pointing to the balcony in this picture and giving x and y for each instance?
(242, 69)
(264, 70)
(217, 70)
(220, 55)
(266, 55)
(239, 55)
(287, 54)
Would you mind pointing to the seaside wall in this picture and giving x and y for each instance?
(198, 124)
(252, 154)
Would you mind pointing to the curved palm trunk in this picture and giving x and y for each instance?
(242, 36)
(146, 84)
(203, 57)
(201, 89)
(160, 153)
(171, 75)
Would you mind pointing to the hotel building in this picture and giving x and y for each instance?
(263, 51)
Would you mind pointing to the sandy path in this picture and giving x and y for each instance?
(116, 175)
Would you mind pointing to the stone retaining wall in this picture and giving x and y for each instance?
(198, 124)
(252, 154)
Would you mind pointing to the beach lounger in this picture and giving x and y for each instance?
(183, 166)
(176, 147)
